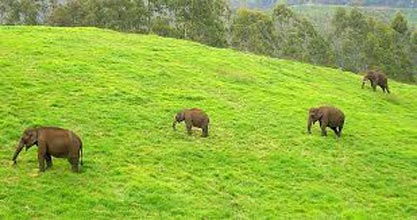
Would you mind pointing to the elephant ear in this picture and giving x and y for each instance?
(180, 116)
(365, 78)
(312, 111)
(32, 134)
(35, 134)
(314, 114)
(368, 75)
(319, 114)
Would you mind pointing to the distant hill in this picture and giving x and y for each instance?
(320, 14)
(375, 3)
(319, 11)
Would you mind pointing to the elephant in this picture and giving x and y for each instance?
(193, 117)
(52, 141)
(376, 79)
(328, 117)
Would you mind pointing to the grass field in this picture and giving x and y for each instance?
(119, 92)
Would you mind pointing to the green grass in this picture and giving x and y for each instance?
(322, 14)
(119, 92)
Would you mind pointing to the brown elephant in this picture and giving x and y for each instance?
(193, 117)
(52, 141)
(327, 117)
(376, 79)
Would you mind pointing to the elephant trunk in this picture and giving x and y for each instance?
(19, 148)
(310, 121)
(365, 78)
(174, 125)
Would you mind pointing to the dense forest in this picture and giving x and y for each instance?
(353, 40)
(380, 3)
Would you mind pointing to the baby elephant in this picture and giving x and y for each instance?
(376, 79)
(193, 117)
(52, 141)
(328, 117)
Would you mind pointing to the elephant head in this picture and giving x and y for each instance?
(314, 114)
(368, 76)
(29, 138)
(178, 118)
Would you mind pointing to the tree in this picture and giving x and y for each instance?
(349, 36)
(71, 13)
(252, 31)
(399, 24)
(201, 20)
(296, 38)
(413, 48)
(413, 41)
(20, 11)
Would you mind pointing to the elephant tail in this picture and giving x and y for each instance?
(81, 153)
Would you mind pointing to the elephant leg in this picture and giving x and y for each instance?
(41, 157)
(189, 128)
(48, 158)
(323, 124)
(335, 130)
(340, 131)
(205, 131)
(74, 164)
(323, 130)
(41, 160)
(383, 88)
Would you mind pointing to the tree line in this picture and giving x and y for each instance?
(271, 3)
(354, 41)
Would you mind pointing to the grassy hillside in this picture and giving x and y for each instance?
(119, 92)
(320, 14)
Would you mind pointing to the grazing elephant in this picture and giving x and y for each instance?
(376, 79)
(52, 141)
(328, 117)
(193, 117)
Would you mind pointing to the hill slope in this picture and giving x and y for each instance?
(119, 92)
